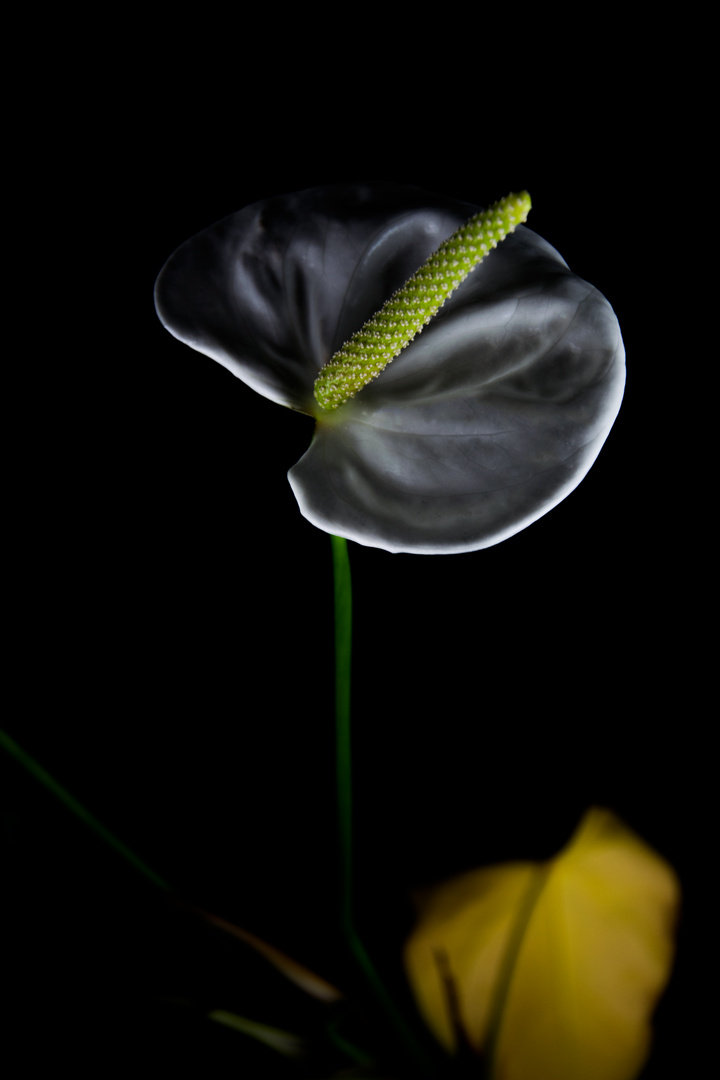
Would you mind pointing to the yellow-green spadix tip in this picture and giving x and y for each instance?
(402, 317)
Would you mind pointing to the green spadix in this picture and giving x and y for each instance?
(402, 317)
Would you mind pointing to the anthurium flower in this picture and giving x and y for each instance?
(552, 970)
(487, 419)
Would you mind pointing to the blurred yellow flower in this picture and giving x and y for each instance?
(551, 970)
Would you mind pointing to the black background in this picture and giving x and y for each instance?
(173, 639)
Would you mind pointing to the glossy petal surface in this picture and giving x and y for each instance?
(593, 952)
(482, 424)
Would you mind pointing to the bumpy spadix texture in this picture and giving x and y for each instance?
(390, 330)
(483, 423)
(556, 966)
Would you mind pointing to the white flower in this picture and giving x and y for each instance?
(483, 423)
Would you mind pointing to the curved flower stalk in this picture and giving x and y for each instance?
(551, 970)
(486, 420)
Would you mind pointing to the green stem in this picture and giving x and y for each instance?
(343, 652)
(507, 967)
(76, 808)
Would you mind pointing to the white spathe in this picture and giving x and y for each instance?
(487, 420)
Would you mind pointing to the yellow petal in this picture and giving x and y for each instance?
(556, 966)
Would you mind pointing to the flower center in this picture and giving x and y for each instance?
(402, 317)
